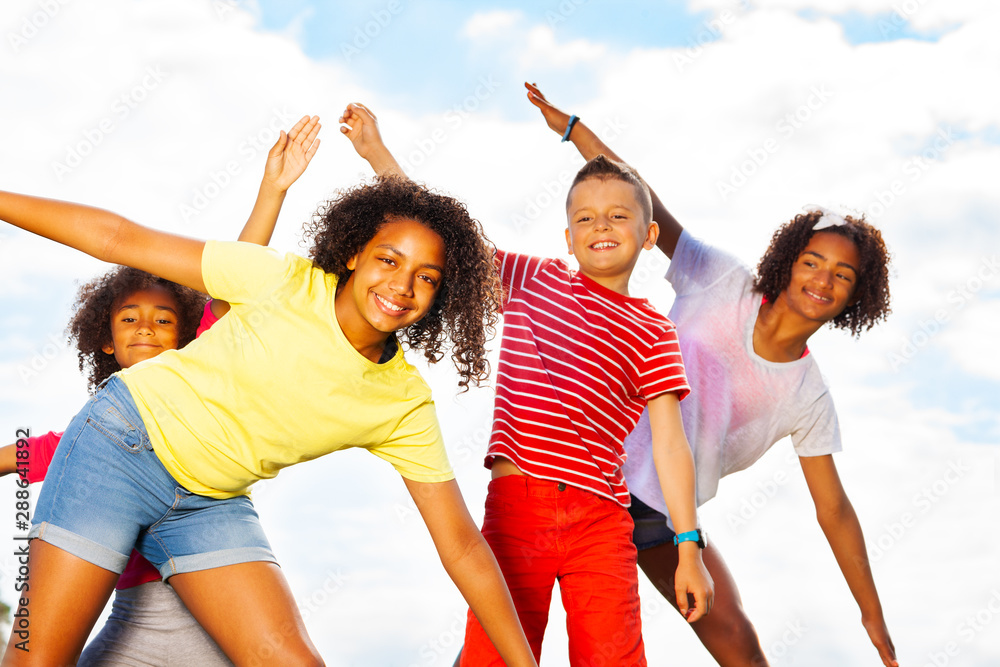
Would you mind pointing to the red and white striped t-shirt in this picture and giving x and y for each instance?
(578, 362)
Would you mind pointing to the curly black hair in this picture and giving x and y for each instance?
(465, 310)
(870, 303)
(90, 328)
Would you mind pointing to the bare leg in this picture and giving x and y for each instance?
(726, 632)
(65, 597)
(249, 611)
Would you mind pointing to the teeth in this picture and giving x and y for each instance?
(604, 244)
(389, 305)
(817, 296)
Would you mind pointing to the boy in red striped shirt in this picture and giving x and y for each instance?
(579, 360)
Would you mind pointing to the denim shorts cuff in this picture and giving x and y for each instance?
(206, 561)
(81, 547)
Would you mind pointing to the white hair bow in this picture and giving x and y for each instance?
(827, 219)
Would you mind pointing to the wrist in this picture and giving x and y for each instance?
(695, 536)
(271, 189)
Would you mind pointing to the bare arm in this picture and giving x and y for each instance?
(361, 127)
(675, 468)
(107, 236)
(471, 565)
(840, 524)
(590, 146)
(8, 460)
(286, 161)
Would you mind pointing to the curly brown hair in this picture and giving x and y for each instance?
(90, 328)
(870, 302)
(464, 313)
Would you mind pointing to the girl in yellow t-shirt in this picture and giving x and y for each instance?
(159, 457)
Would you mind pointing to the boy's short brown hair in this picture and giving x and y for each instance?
(604, 168)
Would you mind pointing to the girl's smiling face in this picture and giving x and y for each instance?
(824, 277)
(394, 282)
(143, 324)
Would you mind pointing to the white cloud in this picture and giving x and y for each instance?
(490, 24)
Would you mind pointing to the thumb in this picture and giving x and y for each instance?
(279, 145)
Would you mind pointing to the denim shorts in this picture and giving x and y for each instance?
(651, 528)
(106, 491)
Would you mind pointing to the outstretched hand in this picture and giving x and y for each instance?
(555, 118)
(291, 153)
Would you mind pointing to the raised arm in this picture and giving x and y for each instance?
(590, 146)
(471, 565)
(361, 127)
(107, 236)
(840, 525)
(286, 161)
(675, 469)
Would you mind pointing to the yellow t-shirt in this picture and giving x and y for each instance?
(276, 382)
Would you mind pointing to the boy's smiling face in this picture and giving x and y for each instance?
(607, 230)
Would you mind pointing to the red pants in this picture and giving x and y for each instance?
(541, 531)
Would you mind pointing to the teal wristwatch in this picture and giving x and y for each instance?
(697, 536)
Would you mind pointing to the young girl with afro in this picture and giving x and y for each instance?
(121, 318)
(753, 382)
(306, 362)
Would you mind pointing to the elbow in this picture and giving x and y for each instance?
(115, 238)
(833, 514)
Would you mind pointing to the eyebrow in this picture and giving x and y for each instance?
(426, 265)
(813, 252)
(135, 305)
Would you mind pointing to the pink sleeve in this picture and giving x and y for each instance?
(39, 455)
(208, 319)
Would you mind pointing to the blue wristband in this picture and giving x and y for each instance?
(569, 126)
(696, 535)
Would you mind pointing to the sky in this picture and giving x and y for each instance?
(738, 113)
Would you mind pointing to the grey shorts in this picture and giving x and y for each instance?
(149, 625)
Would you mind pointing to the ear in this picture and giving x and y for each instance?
(652, 233)
(569, 243)
(352, 263)
(108, 349)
